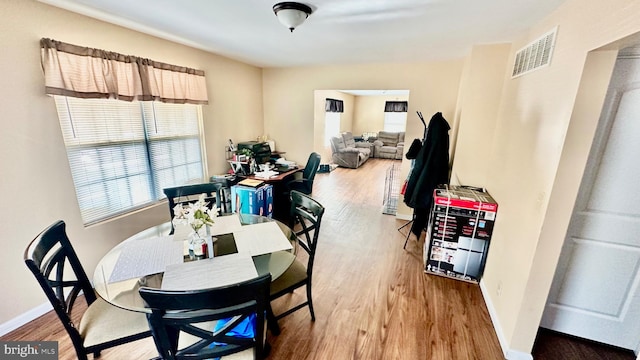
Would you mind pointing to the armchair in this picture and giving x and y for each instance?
(389, 145)
(346, 152)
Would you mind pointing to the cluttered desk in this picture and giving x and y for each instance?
(261, 176)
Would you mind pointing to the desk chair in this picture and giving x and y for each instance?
(308, 213)
(305, 184)
(182, 322)
(102, 325)
(189, 193)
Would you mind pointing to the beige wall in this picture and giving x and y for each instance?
(346, 120)
(36, 180)
(369, 112)
(478, 102)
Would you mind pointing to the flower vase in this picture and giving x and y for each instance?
(197, 245)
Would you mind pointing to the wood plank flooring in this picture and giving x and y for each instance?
(372, 299)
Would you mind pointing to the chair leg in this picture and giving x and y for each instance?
(310, 301)
(272, 322)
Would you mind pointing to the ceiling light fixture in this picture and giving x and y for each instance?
(291, 14)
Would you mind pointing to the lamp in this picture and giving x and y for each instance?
(291, 14)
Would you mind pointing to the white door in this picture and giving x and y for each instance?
(595, 290)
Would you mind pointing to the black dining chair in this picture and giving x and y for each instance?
(189, 193)
(54, 262)
(306, 214)
(185, 323)
(305, 183)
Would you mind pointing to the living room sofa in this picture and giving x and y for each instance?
(346, 152)
(389, 145)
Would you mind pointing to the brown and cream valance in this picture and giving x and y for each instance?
(76, 71)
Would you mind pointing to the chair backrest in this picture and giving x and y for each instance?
(307, 212)
(189, 194)
(313, 163)
(48, 256)
(173, 312)
(337, 144)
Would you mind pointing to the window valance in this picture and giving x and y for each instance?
(396, 106)
(76, 71)
(333, 105)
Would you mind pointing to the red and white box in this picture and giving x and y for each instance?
(459, 232)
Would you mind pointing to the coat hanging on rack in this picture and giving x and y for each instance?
(430, 169)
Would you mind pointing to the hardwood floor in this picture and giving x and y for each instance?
(551, 345)
(371, 297)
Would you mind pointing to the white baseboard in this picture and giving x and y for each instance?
(25, 318)
(404, 216)
(508, 353)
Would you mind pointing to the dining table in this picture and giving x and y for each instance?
(243, 246)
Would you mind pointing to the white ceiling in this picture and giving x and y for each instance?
(338, 31)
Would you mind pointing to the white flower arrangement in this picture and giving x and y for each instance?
(195, 214)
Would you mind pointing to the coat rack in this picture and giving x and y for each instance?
(424, 137)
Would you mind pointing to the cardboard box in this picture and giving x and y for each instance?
(459, 232)
(252, 200)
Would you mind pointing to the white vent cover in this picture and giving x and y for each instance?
(535, 55)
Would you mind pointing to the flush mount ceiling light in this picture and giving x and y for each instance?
(291, 14)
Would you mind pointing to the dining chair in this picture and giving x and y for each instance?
(202, 324)
(307, 213)
(56, 266)
(305, 184)
(189, 193)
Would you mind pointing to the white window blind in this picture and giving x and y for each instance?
(122, 154)
(331, 126)
(395, 121)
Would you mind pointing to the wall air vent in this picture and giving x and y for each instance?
(535, 55)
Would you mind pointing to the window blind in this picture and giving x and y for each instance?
(122, 154)
(395, 121)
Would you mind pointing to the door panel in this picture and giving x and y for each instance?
(594, 294)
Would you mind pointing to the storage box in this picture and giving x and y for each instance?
(460, 227)
(252, 200)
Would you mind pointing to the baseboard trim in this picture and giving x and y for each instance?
(25, 318)
(404, 216)
(508, 353)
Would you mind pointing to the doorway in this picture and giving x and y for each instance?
(595, 294)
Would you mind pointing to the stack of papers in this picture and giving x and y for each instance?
(251, 182)
(265, 174)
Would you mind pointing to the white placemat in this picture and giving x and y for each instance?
(209, 273)
(261, 238)
(146, 256)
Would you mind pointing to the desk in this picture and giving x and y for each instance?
(125, 294)
(280, 199)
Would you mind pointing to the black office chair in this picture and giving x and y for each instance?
(183, 322)
(102, 325)
(190, 193)
(305, 184)
(306, 212)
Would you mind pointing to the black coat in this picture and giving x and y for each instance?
(431, 166)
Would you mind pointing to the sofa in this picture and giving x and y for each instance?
(389, 145)
(346, 152)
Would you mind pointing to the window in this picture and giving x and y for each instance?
(331, 126)
(395, 121)
(122, 154)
